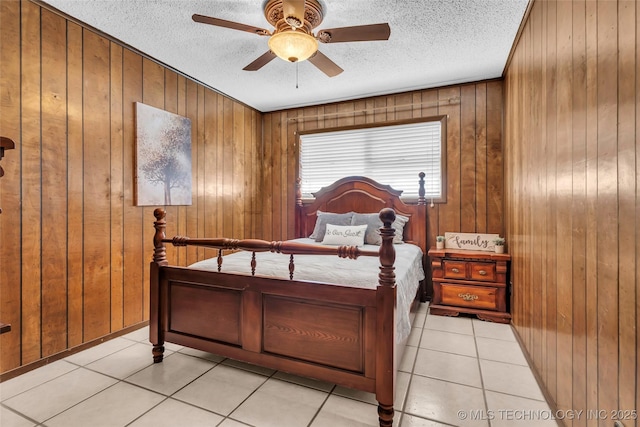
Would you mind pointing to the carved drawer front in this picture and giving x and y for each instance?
(455, 269)
(485, 271)
(482, 297)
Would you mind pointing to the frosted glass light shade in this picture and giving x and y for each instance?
(293, 46)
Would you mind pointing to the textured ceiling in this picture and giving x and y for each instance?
(433, 43)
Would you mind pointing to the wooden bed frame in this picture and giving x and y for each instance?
(342, 335)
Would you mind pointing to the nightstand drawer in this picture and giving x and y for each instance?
(483, 271)
(455, 269)
(482, 297)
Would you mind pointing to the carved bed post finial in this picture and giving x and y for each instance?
(421, 192)
(299, 191)
(159, 251)
(387, 252)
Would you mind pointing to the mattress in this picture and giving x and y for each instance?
(332, 270)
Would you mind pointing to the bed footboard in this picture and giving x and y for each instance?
(339, 334)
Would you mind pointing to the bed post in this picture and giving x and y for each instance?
(156, 331)
(421, 192)
(298, 213)
(385, 303)
(298, 192)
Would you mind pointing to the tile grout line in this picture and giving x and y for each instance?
(412, 373)
(76, 367)
(147, 411)
(484, 390)
(321, 406)
(77, 403)
(225, 417)
(19, 414)
(168, 397)
(413, 366)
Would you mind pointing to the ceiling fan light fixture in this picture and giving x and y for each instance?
(293, 46)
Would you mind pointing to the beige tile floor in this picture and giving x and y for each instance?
(456, 372)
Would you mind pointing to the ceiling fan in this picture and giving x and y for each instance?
(293, 39)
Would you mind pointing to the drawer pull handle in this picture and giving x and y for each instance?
(482, 273)
(455, 270)
(468, 296)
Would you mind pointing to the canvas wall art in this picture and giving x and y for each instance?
(163, 157)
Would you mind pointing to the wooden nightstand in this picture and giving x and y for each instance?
(473, 282)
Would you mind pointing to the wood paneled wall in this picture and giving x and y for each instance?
(573, 203)
(74, 249)
(474, 177)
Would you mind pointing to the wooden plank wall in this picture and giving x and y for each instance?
(474, 177)
(74, 248)
(572, 91)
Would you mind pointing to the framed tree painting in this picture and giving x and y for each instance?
(163, 157)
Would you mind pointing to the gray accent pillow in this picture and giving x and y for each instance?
(324, 218)
(372, 220)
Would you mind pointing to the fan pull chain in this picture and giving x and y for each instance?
(296, 74)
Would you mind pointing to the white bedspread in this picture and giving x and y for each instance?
(361, 273)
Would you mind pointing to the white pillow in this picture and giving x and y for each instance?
(344, 235)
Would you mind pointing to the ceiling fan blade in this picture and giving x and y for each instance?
(360, 33)
(294, 8)
(325, 65)
(230, 24)
(263, 60)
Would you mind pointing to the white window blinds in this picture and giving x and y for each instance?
(391, 155)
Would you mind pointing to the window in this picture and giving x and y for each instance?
(392, 155)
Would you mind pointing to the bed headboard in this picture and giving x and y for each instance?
(363, 195)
